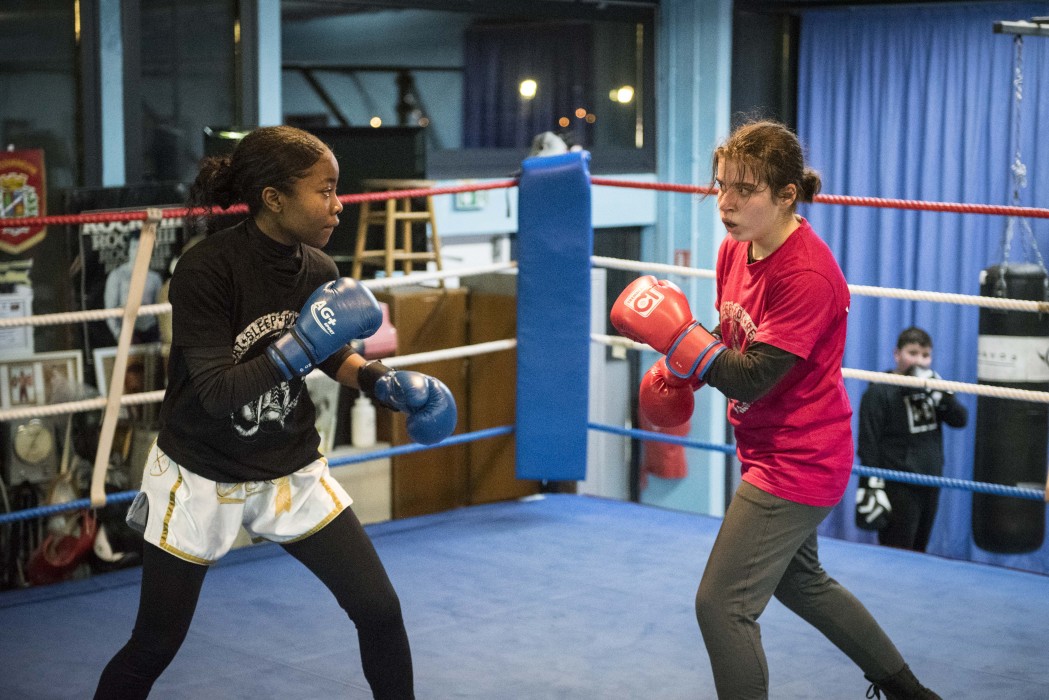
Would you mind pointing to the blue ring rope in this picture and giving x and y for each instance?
(414, 447)
(858, 469)
(661, 437)
(927, 480)
(79, 504)
(85, 503)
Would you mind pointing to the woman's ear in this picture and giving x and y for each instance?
(272, 199)
(789, 194)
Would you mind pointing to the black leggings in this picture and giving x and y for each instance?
(341, 555)
(913, 514)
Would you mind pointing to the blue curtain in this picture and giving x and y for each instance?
(558, 56)
(917, 103)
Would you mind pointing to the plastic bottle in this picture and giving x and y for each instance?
(362, 422)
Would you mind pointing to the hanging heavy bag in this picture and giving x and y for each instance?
(872, 504)
(1012, 437)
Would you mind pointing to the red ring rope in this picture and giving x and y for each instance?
(106, 217)
(910, 204)
(1029, 212)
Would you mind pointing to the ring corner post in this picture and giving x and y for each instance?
(555, 245)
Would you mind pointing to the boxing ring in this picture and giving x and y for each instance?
(550, 596)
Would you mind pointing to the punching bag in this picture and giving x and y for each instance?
(1011, 435)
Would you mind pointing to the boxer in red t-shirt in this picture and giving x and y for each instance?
(776, 353)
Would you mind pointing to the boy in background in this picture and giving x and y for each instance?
(901, 429)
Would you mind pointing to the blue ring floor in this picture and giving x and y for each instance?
(552, 597)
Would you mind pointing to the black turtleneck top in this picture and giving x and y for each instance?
(227, 414)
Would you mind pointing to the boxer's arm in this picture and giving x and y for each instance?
(747, 376)
(349, 368)
(333, 365)
(222, 386)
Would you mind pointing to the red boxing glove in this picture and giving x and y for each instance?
(664, 399)
(656, 312)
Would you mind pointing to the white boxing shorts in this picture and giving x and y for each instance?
(198, 519)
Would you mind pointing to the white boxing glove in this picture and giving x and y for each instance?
(928, 373)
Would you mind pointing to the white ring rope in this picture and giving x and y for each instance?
(416, 277)
(998, 392)
(165, 308)
(57, 409)
(450, 353)
(858, 289)
(620, 264)
(950, 298)
(75, 316)
(98, 403)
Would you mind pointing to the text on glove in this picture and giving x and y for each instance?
(324, 316)
(644, 301)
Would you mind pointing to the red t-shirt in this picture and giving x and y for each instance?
(794, 442)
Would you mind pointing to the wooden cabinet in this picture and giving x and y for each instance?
(481, 471)
(428, 319)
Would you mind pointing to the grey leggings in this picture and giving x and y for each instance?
(767, 546)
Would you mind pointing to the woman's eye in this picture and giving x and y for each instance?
(741, 189)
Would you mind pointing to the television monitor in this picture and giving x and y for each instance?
(387, 152)
(383, 152)
(363, 152)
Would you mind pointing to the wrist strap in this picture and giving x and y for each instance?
(369, 375)
(693, 352)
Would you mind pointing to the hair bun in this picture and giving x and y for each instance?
(220, 181)
(810, 184)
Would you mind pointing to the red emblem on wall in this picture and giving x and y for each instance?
(23, 193)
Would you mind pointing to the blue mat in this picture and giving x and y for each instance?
(557, 597)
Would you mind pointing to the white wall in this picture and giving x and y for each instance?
(608, 456)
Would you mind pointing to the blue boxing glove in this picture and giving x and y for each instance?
(427, 401)
(336, 313)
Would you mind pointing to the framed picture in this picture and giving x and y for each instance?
(144, 372)
(16, 341)
(145, 368)
(40, 378)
